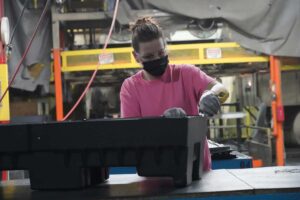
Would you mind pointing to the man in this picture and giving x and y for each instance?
(165, 89)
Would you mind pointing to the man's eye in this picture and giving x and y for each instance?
(148, 57)
(162, 53)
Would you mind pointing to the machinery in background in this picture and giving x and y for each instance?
(82, 35)
(4, 49)
(65, 6)
(253, 91)
(4, 41)
(78, 38)
(92, 32)
(102, 99)
(75, 35)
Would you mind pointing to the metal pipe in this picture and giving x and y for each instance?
(277, 109)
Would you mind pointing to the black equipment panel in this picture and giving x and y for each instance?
(66, 155)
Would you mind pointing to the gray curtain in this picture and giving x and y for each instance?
(265, 26)
(35, 70)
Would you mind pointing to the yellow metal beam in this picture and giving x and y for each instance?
(121, 58)
(290, 67)
(4, 105)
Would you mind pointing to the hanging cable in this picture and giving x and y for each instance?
(95, 71)
(9, 45)
(26, 50)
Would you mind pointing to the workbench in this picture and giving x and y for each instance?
(258, 183)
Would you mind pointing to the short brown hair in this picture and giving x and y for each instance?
(144, 30)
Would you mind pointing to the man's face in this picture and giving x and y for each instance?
(151, 50)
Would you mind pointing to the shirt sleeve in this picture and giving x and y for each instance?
(129, 104)
(200, 80)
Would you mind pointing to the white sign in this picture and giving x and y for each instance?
(213, 53)
(106, 58)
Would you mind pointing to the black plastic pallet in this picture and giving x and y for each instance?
(69, 155)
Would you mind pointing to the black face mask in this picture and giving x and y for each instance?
(156, 67)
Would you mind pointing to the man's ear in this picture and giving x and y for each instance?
(136, 57)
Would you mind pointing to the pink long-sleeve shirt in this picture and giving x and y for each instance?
(180, 86)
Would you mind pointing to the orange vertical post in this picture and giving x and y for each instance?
(58, 85)
(277, 109)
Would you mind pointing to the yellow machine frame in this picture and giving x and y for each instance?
(4, 105)
(84, 60)
(122, 58)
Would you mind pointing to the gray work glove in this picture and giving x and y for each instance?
(209, 104)
(174, 113)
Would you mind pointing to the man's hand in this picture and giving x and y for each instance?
(174, 113)
(209, 104)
